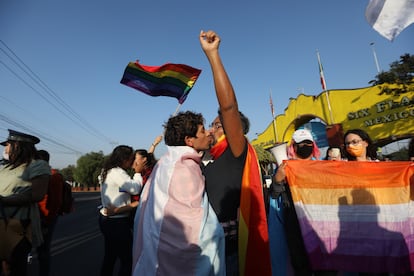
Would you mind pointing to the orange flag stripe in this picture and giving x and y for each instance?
(383, 196)
(254, 251)
(313, 174)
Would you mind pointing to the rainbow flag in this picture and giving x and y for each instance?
(254, 251)
(172, 80)
(355, 216)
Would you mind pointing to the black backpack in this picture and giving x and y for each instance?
(67, 199)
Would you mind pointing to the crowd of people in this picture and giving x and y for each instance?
(179, 215)
(288, 251)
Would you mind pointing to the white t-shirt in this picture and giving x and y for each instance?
(118, 187)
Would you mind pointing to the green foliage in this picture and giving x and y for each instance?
(401, 73)
(68, 172)
(266, 159)
(88, 168)
(400, 155)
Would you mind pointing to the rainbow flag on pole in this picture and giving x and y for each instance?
(355, 216)
(172, 80)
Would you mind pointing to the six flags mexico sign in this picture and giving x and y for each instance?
(385, 108)
(386, 117)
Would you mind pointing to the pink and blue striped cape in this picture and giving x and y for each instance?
(176, 231)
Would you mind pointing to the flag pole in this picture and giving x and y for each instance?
(180, 103)
(375, 57)
(273, 117)
(175, 113)
(323, 83)
(176, 110)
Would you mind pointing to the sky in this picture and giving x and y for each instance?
(61, 63)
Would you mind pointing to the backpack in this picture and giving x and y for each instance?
(67, 199)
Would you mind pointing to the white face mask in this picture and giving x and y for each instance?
(5, 155)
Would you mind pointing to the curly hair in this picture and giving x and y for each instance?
(180, 126)
(118, 156)
(371, 149)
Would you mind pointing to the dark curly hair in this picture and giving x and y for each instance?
(117, 158)
(371, 149)
(180, 126)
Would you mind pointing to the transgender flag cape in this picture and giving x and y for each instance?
(176, 231)
(355, 216)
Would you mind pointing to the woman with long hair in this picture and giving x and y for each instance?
(143, 164)
(116, 190)
(24, 182)
(359, 146)
(145, 160)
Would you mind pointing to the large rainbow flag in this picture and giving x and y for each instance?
(355, 216)
(254, 251)
(172, 80)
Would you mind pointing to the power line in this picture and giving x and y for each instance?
(44, 137)
(12, 122)
(47, 100)
(85, 125)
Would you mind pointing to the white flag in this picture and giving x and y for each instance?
(390, 17)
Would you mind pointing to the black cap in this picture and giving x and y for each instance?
(21, 137)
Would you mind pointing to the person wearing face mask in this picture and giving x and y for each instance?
(303, 146)
(359, 146)
(284, 232)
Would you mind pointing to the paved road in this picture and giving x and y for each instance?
(77, 246)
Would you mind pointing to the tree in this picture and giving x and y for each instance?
(401, 72)
(266, 159)
(88, 168)
(68, 172)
